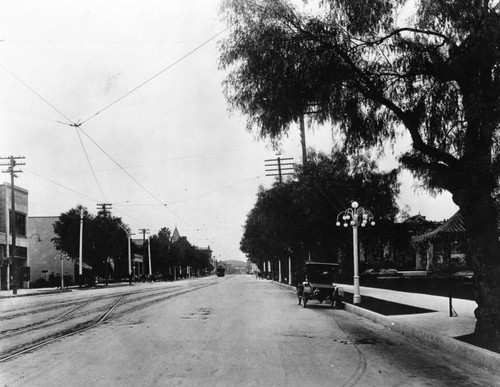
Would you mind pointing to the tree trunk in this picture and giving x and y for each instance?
(480, 217)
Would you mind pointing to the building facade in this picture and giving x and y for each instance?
(46, 265)
(14, 268)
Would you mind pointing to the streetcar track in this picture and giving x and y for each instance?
(64, 316)
(72, 331)
(103, 317)
(32, 310)
(41, 324)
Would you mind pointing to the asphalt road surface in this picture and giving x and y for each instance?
(231, 331)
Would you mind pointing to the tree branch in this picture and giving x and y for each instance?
(408, 29)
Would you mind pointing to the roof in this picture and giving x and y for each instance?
(452, 230)
(176, 236)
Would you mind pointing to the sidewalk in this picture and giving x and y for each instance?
(439, 321)
(435, 328)
(38, 291)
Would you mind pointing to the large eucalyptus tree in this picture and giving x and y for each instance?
(375, 68)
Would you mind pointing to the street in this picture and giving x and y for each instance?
(230, 331)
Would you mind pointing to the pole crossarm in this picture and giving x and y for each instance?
(282, 168)
(104, 207)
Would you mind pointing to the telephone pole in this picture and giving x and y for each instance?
(12, 163)
(303, 141)
(279, 167)
(103, 207)
(144, 231)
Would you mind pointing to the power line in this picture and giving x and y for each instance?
(123, 169)
(156, 75)
(77, 125)
(215, 190)
(62, 186)
(82, 194)
(90, 164)
(38, 95)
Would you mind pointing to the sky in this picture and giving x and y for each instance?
(156, 140)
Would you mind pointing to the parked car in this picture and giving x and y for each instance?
(318, 284)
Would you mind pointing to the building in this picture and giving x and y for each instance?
(175, 235)
(47, 265)
(446, 245)
(139, 267)
(18, 269)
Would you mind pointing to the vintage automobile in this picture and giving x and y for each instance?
(318, 284)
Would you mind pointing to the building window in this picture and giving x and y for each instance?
(20, 224)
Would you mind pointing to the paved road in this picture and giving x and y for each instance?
(237, 331)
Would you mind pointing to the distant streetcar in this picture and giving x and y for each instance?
(221, 271)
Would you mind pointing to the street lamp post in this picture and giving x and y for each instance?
(62, 256)
(355, 216)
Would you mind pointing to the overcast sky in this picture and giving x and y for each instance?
(168, 154)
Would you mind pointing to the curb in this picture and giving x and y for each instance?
(37, 293)
(479, 356)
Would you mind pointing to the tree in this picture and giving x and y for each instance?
(374, 71)
(160, 251)
(298, 218)
(104, 236)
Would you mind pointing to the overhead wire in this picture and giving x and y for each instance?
(79, 193)
(77, 125)
(121, 168)
(157, 74)
(38, 95)
(90, 164)
(60, 185)
(215, 190)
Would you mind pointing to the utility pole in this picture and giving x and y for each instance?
(303, 141)
(149, 257)
(279, 168)
(80, 250)
(103, 206)
(144, 232)
(12, 163)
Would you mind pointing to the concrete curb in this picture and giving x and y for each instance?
(479, 356)
(37, 293)
(476, 355)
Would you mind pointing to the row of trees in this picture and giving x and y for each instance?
(106, 236)
(166, 254)
(297, 218)
(374, 70)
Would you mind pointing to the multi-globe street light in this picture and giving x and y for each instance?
(62, 255)
(356, 216)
